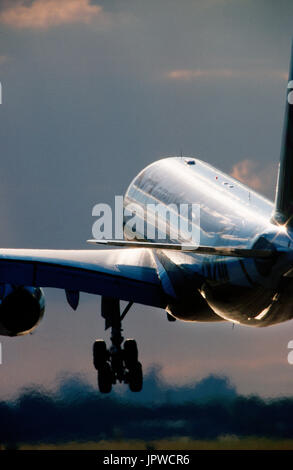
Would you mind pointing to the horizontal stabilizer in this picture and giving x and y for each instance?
(205, 250)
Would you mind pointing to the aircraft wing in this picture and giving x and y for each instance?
(127, 274)
(136, 274)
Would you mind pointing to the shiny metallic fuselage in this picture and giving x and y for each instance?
(248, 291)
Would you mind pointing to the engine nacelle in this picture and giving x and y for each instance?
(192, 308)
(21, 309)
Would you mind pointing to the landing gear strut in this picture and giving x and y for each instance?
(119, 362)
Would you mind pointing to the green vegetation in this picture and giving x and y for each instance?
(222, 443)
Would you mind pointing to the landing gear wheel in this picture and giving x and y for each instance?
(119, 362)
(135, 377)
(99, 353)
(130, 353)
(105, 378)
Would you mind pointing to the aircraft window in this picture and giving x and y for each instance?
(190, 162)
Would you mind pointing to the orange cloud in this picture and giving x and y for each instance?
(190, 74)
(43, 14)
(260, 179)
(193, 74)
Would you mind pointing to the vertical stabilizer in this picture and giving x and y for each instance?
(284, 193)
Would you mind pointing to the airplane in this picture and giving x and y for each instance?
(240, 272)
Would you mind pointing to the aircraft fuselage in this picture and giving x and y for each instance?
(249, 291)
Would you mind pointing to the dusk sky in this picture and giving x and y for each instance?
(92, 92)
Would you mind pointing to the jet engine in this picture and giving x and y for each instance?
(21, 309)
(193, 308)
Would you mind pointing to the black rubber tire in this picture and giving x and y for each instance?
(135, 378)
(105, 378)
(100, 353)
(130, 353)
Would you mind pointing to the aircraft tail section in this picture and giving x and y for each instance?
(284, 192)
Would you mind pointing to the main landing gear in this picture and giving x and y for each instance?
(119, 362)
